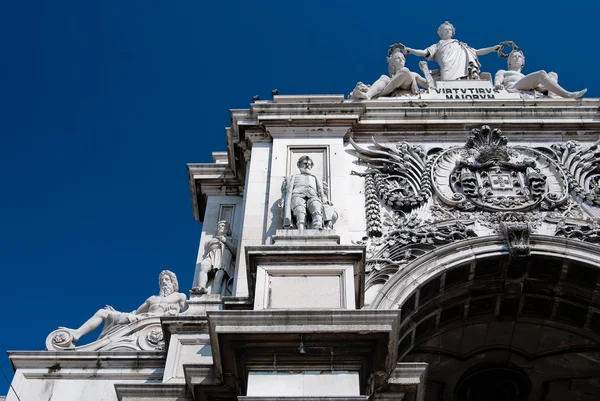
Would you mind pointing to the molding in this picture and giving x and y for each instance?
(88, 365)
(302, 321)
(211, 179)
(201, 375)
(538, 117)
(86, 359)
(248, 340)
(323, 398)
(160, 391)
(264, 255)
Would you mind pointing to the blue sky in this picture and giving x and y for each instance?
(102, 104)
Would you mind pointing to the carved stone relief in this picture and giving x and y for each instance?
(406, 238)
(488, 175)
(585, 230)
(398, 176)
(517, 238)
(484, 187)
(581, 164)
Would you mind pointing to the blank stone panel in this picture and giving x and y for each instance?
(227, 212)
(307, 384)
(304, 291)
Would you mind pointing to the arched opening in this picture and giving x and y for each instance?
(493, 327)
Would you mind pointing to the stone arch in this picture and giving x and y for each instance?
(395, 292)
(468, 307)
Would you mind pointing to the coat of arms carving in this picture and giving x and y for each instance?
(488, 175)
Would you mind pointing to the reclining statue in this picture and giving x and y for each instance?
(168, 302)
(400, 79)
(457, 60)
(513, 80)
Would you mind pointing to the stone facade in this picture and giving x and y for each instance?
(463, 262)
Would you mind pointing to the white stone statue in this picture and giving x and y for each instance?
(457, 60)
(400, 79)
(304, 200)
(513, 80)
(217, 262)
(168, 302)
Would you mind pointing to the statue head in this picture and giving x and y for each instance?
(516, 59)
(446, 30)
(395, 61)
(167, 281)
(305, 164)
(223, 228)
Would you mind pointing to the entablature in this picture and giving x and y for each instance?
(396, 119)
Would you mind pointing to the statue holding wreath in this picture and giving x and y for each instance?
(457, 60)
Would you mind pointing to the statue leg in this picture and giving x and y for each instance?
(299, 212)
(315, 207)
(205, 267)
(378, 86)
(218, 281)
(403, 79)
(300, 219)
(534, 79)
(90, 325)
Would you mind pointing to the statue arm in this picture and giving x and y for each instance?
(182, 302)
(321, 191)
(499, 79)
(228, 243)
(143, 308)
(421, 81)
(416, 52)
(486, 50)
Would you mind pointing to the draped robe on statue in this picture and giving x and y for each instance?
(220, 255)
(453, 57)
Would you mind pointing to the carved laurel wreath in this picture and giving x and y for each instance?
(509, 43)
(394, 47)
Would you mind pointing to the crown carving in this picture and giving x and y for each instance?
(487, 144)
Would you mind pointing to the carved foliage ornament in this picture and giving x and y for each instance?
(486, 174)
(517, 238)
(583, 169)
(407, 238)
(584, 230)
(398, 176)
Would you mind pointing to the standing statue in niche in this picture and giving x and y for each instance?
(400, 81)
(168, 302)
(304, 200)
(457, 60)
(216, 267)
(513, 80)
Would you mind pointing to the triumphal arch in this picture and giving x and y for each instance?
(431, 236)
